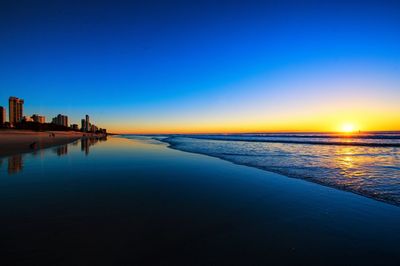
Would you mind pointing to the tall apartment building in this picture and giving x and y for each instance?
(61, 120)
(16, 109)
(2, 115)
(87, 128)
(83, 125)
(93, 128)
(39, 118)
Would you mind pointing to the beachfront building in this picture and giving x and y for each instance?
(74, 126)
(16, 109)
(83, 125)
(2, 115)
(61, 120)
(39, 118)
(27, 119)
(93, 128)
(87, 128)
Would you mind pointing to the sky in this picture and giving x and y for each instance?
(205, 66)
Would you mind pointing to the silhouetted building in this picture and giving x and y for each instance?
(87, 123)
(2, 115)
(93, 128)
(61, 120)
(74, 127)
(16, 109)
(83, 125)
(39, 118)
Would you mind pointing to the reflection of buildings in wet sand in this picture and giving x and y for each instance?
(75, 143)
(15, 164)
(61, 150)
(85, 145)
(38, 152)
(87, 142)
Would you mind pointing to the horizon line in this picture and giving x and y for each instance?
(259, 132)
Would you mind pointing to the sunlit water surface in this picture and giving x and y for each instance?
(368, 164)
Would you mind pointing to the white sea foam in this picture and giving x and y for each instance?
(371, 168)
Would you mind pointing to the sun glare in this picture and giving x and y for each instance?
(348, 128)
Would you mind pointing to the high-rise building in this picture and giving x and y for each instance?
(16, 109)
(61, 120)
(83, 125)
(93, 128)
(39, 118)
(2, 115)
(87, 123)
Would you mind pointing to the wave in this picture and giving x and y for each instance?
(379, 140)
(370, 135)
(368, 170)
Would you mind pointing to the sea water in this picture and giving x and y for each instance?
(365, 163)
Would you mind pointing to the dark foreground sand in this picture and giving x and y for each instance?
(136, 202)
(22, 141)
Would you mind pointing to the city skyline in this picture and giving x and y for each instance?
(16, 116)
(201, 67)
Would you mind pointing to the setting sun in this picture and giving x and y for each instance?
(348, 128)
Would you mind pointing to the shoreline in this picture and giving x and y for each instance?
(386, 200)
(332, 143)
(135, 184)
(24, 141)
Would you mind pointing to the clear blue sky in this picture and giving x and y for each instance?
(201, 65)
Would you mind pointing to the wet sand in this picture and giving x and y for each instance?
(21, 141)
(137, 202)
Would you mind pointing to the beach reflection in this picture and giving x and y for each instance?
(16, 162)
(87, 142)
(39, 152)
(61, 150)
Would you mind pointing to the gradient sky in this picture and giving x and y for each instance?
(205, 66)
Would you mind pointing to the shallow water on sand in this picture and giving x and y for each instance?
(136, 202)
(367, 164)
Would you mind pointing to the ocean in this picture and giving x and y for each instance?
(363, 163)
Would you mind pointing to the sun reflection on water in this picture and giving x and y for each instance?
(373, 171)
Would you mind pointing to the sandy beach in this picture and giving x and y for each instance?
(22, 141)
(134, 201)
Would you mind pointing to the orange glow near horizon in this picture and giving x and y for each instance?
(315, 115)
(257, 127)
